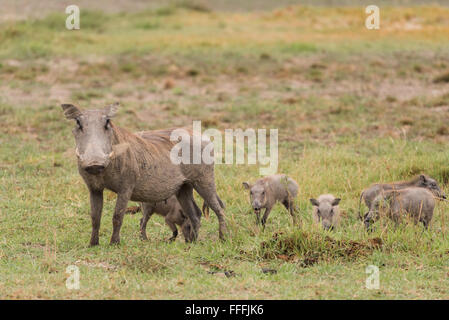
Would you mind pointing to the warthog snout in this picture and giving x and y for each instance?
(368, 221)
(94, 164)
(327, 225)
(95, 169)
(257, 206)
(367, 224)
(326, 211)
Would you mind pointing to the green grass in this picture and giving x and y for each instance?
(186, 27)
(352, 108)
(45, 227)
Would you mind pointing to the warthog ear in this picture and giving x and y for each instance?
(423, 178)
(71, 111)
(336, 202)
(315, 202)
(111, 109)
(246, 185)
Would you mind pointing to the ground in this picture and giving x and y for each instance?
(353, 107)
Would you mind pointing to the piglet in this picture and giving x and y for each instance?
(265, 192)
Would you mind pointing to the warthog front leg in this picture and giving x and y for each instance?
(96, 206)
(117, 219)
(186, 230)
(265, 216)
(258, 217)
(173, 228)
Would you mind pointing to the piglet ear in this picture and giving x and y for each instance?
(336, 202)
(246, 185)
(111, 110)
(314, 202)
(71, 111)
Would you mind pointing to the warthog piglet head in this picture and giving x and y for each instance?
(325, 211)
(258, 195)
(432, 185)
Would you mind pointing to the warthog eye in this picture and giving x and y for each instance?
(78, 123)
(107, 125)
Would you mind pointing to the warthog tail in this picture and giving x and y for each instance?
(132, 210)
(206, 207)
(205, 210)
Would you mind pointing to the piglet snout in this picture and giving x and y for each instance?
(256, 207)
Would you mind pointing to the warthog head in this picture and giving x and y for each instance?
(368, 219)
(258, 195)
(325, 212)
(93, 136)
(431, 184)
(380, 204)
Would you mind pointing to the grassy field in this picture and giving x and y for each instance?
(353, 107)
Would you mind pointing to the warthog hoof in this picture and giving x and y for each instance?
(143, 236)
(94, 241)
(115, 241)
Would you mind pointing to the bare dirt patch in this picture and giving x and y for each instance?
(388, 97)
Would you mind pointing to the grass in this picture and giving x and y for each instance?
(352, 106)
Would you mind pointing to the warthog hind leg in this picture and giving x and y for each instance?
(209, 194)
(290, 206)
(147, 212)
(119, 212)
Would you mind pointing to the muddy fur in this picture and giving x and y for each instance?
(137, 167)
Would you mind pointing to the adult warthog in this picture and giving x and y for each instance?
(137, 167)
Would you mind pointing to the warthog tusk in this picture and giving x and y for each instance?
(77, 153)
(112, 154)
